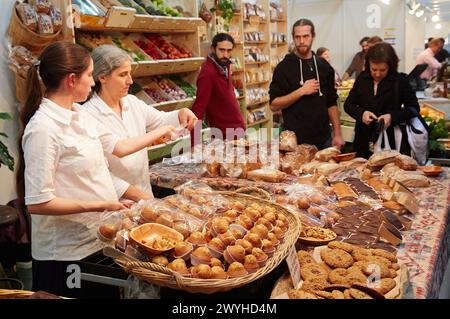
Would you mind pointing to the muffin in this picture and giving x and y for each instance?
(273, 239)
(179, 266)
(218, 273)
(281, 224)
(238, 206)
(245, 221)
(238, 231)
(282, 218)
(260, 255)
(252, 213)
(231, 214)
(219, 226)
(216, 262)
(268, 247)
(271, 217)
(160, 260)
(201, 271)
(234, 253)
(182, 250)
(251, 264)
(216, 246)
(182, 228)
(261, 230)
(279, 233)
(201, 255)
(197, 238)
(227, 238)
(246, 244)
(149, 214)
(265, 222)
(254, 239)
(236, 269)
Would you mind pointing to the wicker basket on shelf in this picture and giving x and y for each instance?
(21, 35)
(165, 277)
(15, 294)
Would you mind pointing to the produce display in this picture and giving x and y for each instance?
(172, 52)
(134, 54)
(150, 49)
(186, 87)
(156, 95)
(170, 88)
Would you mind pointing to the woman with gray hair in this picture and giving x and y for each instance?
(126, 116)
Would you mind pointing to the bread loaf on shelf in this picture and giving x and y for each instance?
(383, 158)
(344, 191)
(327, 154)
(406, 163)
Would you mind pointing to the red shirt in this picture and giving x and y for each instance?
(216, 99)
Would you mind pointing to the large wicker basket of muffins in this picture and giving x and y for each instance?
(217, 241)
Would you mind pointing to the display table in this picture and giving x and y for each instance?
(425, 249)
(441, 104)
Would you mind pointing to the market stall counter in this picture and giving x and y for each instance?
(425, 248)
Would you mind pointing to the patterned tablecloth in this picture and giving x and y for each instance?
(425, 249)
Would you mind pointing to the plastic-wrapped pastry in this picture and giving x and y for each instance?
(288, 141)
(406, 162)
(45, 24)
(266, 174)
(383, 158)
(42, 6)
(327, 154)
(28, 15)
(55, 14)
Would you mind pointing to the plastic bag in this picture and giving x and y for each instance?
(138, 289)
(288, 141)
(205, 14)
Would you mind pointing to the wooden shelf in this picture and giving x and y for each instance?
(278, 20)
(255, 42)
(257, 103)
(238, 71)
(258, 122)
(157, 67)
(278, 43)
(256, 83)
(260, 22)
(256, 63)
(240, 97)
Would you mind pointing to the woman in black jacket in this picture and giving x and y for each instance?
(380, 92)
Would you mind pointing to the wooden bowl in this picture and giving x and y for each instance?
(431, 170)
(155, 238)
(344, 157)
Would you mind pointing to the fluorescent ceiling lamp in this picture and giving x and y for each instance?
(435, 18)
(386, 1)
(438, 26)
(420, 13)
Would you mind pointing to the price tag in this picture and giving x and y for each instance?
(294, 267)
(253, 21)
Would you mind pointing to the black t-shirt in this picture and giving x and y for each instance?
(308, 116)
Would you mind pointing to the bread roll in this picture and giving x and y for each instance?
(383, 158)
(405, 162)
(344, 191)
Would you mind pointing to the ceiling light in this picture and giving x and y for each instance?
(438, 26)
(420, 13)
(435, 18)
(386, 1)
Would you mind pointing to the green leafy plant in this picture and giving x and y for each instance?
(438, 130)
(226, 8)
(5, 157)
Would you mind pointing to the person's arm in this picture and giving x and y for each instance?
(409, 99)
(346, 76)
(333, 112)
(432, 62)
(351, 105)
(203, 95)
(283, 102)
(135, 194)
(351, 68)
(63, 206)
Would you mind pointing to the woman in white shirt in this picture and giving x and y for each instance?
(63, 174)
(125, 115)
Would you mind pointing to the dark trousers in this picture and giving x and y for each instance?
(56, 276)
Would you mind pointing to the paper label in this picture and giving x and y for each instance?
(294, 267)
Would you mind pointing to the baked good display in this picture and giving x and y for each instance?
(316, 235)
(382, 158)
(288, 141)
(344, 191)
(406, 163)
(327, 154)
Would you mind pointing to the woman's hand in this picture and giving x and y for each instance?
(187, 119)
(368, 117)
(387, 120)
(114, 206)
(165, 133)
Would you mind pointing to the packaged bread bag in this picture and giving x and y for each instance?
(42, 6)
(45, 24)
(55, 15)
(28, 15)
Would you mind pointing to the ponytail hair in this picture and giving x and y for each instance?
(56, 61)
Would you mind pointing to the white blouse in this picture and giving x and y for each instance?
(137, 119)
(64, 157)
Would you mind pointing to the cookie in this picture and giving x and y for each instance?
(336, 258)
(356, 277)
(305, 258)
(376, 268)
(384, 285)
(340, 245)
(361, 254)
(395, 266)
(336, 294)
(358, 294)
(309, 271)
(301, 294)
(393, 273)
(385, 254)
(338, 276)
(347, 294)
(314, 284)
(323, 294)
(380, 260)
(325, 266)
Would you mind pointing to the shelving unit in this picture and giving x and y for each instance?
(124, 23)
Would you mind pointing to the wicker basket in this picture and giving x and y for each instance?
(15, 294)
(165, 277)
(21, 35)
